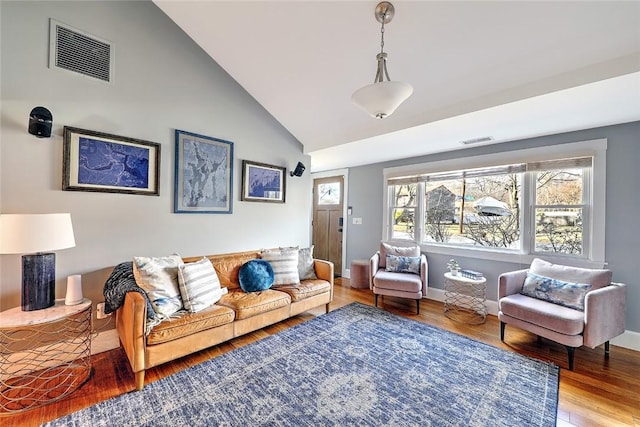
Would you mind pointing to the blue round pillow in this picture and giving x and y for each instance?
(255, 275)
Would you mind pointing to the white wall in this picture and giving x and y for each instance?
(163, 82)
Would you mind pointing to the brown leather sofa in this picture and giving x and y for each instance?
(237, 313)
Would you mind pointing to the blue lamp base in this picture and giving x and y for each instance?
(38, 281)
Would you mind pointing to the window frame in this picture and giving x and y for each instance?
(593, 232)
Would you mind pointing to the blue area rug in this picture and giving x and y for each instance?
(356, 366)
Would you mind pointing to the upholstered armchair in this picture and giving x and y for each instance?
(398, 269)
(571, 306)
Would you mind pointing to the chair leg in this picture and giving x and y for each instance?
(376, 299)
(502, 325)
(606, 348)
(418, 305)
(571, 352)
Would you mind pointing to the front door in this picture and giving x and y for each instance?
(327, 220)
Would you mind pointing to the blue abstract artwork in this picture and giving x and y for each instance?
(205, 172)
(264, 183)
(112, 164)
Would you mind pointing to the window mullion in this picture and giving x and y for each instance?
(528, 232)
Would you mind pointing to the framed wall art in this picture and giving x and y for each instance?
(262, 182)
(97, 161)
(204, 174)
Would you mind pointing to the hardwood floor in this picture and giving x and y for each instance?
(599, 392)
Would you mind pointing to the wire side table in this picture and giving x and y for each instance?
(465, 299)
(44, 354)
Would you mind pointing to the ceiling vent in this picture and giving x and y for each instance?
(80, 52)
(477, 140)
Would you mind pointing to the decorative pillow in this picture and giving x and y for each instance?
(403, 264)
(256, 275)
(594, 277)
(556, 291)
(306, 265)
(410, 250)
(285, 265)
(199, 285)
(158, 276)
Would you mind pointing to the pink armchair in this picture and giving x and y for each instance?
(546, 299)
(404, 274)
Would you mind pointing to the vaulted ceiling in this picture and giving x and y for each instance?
(501, 69)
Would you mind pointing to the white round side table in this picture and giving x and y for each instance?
(465, 299)
(44, 354)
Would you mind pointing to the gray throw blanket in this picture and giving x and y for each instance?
(116, 287)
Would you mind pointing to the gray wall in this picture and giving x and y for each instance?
(622, 209)
(163, 82)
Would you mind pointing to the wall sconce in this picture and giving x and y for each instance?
(40, 122)
(299, 170)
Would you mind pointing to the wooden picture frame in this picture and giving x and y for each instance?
(203, 174)
(263, 183)
(102, 162)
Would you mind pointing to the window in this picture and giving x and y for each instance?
(403, 211)
(541, 207)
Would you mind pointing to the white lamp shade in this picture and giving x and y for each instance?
(30, 233)
(381, 99)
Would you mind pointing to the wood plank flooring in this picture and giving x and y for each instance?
(599, 392)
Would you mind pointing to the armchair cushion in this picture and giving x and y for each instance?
(403, 264)
(556, 291)
(596, 278)
(553, 317)
(397, 249)
(404, 282)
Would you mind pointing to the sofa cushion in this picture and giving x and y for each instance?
(255, 275)
(551, 316)
(305, 289)
(158, 276)
(228, 267)
(403, 264)
(594, 277)
(284, 262)
(190, 323)
(556, 291)
(253, 303)
(199, 285)
(405, 282)
(306, 265)
(398, 249)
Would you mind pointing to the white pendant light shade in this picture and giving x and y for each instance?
(381, 99)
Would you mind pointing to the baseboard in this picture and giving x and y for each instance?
(629, 339)
(105, 341)
(346, 273)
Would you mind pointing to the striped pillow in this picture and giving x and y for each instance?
(199, 285)
(285, 265)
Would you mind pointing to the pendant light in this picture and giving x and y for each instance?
(381, 98)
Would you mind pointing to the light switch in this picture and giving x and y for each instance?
(357, 221)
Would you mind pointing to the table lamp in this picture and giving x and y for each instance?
(39, 233)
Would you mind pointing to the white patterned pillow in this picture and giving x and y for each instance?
(158, 276)
(199, 285)
(403, 264)
(285, 265)
(556, 291)
(306, 264)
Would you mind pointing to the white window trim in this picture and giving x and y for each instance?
(597, 197)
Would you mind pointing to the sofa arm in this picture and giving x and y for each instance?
(374, 262)
(511, 283)
(604, 314)
(130, 324)
(324, 271)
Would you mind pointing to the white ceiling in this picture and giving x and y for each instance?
(505, 69)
